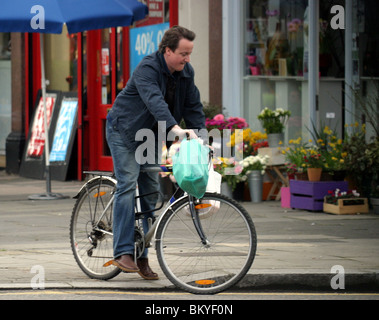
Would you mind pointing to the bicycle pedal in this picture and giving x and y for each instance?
(108, 264)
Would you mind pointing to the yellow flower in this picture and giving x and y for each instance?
(327, 131)
(320, 141)
(344, 154)
(339, 141)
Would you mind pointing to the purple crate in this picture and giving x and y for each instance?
(306, 203)
(309, 195)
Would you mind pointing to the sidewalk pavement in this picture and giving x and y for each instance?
(296, 249)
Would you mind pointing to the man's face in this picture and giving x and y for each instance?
(176, 60)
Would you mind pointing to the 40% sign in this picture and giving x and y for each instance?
(147, 42)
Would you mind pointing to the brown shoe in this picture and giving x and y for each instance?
(145, 270)
(126, 263)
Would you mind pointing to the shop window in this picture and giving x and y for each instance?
(5, 46)
(275, 37)
(106, 68)
(368, 41)
(332, 43)
(120, 60)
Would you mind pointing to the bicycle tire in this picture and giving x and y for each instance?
(212, 268)
(91, 248)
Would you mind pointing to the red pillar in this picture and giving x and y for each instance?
(174, 13)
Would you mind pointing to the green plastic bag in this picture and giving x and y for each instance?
(190, 167)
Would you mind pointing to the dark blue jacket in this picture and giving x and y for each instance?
(141, 104)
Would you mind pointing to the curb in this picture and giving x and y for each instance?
(284, 282)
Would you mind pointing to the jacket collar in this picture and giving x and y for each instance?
(183, 74)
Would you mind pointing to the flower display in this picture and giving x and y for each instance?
(229, 169)
(331, 148)
(250, 142)
(313, 158)
(252, 163)
(294, 155)
(334, 195)
(273, 121)
(220, 122)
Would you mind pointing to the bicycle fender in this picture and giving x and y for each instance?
(94, 179)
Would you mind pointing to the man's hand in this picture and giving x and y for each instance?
(182, 133)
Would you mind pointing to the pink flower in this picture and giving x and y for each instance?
(219, 117)
(238, 169)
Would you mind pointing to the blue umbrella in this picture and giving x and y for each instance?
(49, 16)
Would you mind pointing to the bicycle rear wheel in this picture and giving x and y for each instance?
(217, 265)
(91, 239)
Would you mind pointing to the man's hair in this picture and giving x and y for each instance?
(172, 37)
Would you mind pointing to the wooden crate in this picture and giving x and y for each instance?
(307, 195)
(346, 206)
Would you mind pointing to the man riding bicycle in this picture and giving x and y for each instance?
(161, 89)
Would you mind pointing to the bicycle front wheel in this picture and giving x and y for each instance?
(91, 230)
(220, 263)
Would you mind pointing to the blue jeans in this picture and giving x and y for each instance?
(127, 171)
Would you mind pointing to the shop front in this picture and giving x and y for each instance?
(93, 66)
(314, 58)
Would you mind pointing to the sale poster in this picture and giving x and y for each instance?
(37, 140)
(144, 41)
(63, 130)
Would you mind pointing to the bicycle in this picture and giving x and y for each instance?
(203, 246)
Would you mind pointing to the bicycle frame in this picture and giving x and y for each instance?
(152, 230)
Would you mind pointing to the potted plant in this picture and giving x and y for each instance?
(314, 163)
(331, 148)
(274, 121)
(294, 156)
(253, 168)
(230, 171)
(362, 160)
